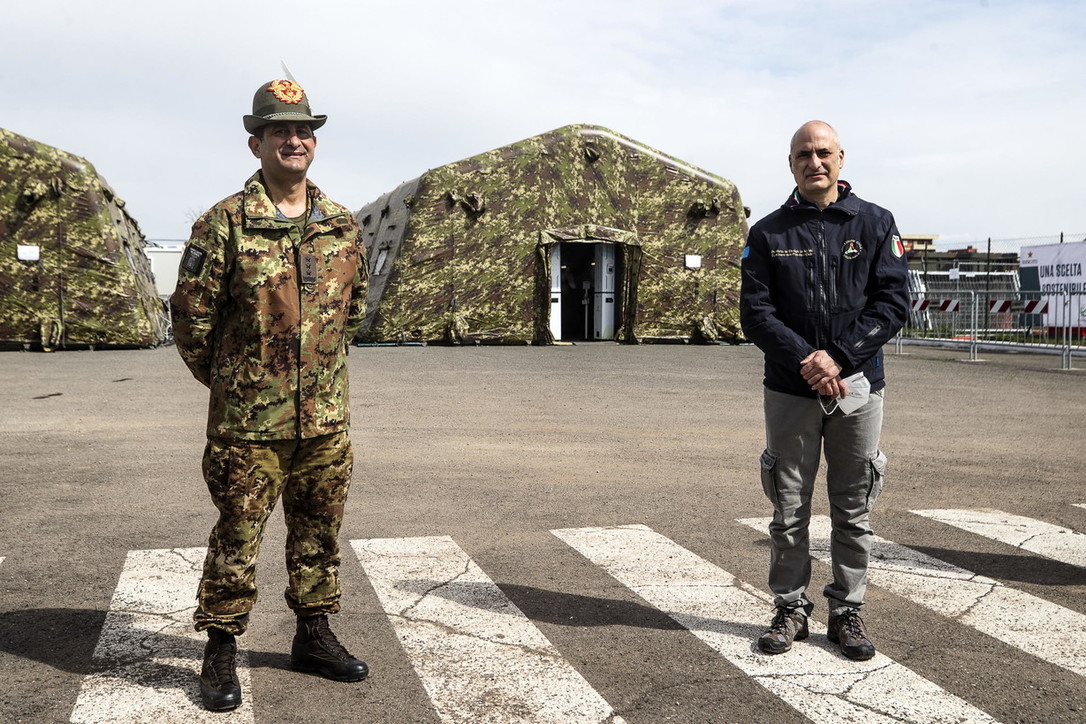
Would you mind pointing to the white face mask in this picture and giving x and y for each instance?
(858, 391)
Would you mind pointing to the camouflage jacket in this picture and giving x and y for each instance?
(263, 315)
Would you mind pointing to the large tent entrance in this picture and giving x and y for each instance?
(583, 294)
(592, 274)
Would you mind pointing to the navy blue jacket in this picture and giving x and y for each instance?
(835, 279)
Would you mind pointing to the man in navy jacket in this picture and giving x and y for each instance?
(824, 287)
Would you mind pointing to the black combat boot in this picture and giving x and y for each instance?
(219, 686)
(316, 650)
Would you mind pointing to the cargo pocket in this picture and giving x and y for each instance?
(876, 474)
(216, 468)
(768, 463)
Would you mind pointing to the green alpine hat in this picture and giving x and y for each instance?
(281, 100)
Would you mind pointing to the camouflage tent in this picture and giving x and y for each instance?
(72, 268)
(576, 234)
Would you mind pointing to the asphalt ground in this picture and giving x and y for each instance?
(497, 446)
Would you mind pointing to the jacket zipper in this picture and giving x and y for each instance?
(824, 287)
(871, 333)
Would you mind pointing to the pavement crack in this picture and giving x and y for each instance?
(409, 615)
(1022, 544)
(979, 599)
(195, 564)
(405, 613)
(453, 632)
(845, 694)
(896, 568)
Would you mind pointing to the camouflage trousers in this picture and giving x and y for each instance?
(245, 480)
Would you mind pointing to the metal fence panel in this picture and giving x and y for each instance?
(997, 316)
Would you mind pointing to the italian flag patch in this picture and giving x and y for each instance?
(896, 246)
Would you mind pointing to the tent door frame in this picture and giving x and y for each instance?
(617, 259)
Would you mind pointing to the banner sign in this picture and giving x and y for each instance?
(1053, 268)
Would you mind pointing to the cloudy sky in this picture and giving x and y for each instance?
(967, 118)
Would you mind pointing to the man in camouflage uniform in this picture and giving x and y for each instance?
(270, 292)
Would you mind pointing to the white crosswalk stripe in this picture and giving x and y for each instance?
(727, 614)
(1035, 536)
(1014, 617)
(1079, 505)
(478, 657)
(148, 657)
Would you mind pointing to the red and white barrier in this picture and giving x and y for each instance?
(1037, 306)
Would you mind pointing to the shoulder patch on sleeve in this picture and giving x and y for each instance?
(896, 246)
(193, 259)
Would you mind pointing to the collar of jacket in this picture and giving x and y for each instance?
(260, 212)
(845, 202)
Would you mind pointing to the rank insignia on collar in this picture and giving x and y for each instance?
(851, 249)
(287, 91)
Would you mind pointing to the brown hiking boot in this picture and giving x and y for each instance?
(317, 650)
(220, 689)
(847, 631)
(789, 624)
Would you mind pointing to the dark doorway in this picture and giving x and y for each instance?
(577, 287)
(592, 289)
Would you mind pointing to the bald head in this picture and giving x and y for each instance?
(816, 127)
(815, 159)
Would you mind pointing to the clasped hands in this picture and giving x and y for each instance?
(823, 374)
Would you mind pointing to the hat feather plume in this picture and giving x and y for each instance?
(286, 70)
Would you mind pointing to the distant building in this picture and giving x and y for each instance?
(916, 243)
(968, 260)
(165, 256)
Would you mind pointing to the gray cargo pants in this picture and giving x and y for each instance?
(797, 430)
